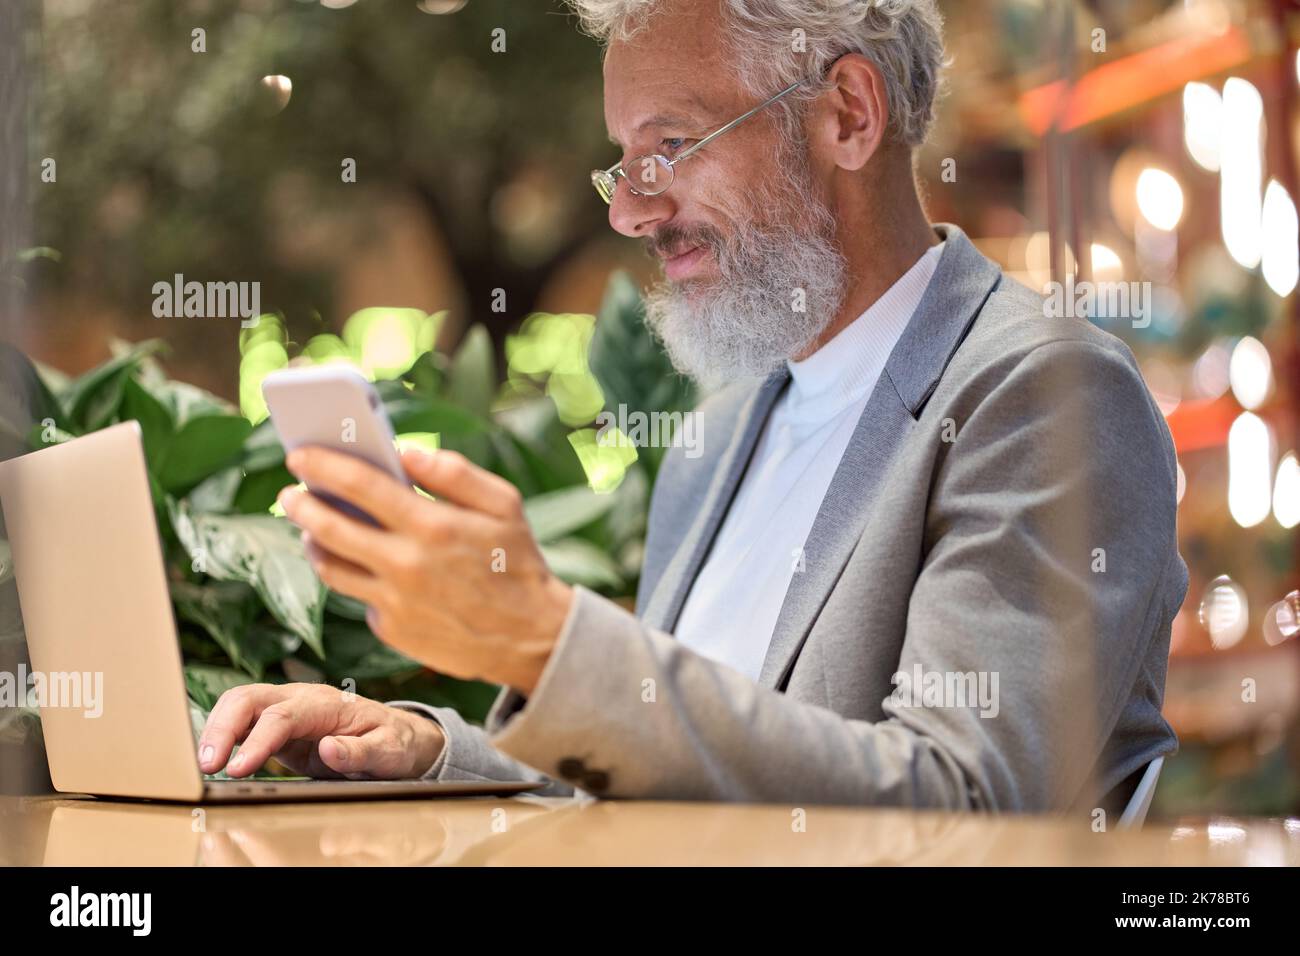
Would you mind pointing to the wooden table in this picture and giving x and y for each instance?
(529, 830)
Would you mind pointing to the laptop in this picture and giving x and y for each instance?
(101, 633)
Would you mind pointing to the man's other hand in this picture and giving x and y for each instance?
(318, 731)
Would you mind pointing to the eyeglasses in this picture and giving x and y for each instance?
(653, 173)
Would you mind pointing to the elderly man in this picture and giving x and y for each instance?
(927, 557)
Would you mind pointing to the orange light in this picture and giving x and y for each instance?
(1132, 80)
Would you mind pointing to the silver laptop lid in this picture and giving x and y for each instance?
(98, 618)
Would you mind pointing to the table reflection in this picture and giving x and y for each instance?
(531, 831)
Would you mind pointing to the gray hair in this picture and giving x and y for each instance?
(778, 42)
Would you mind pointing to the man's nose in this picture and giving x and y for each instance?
(638, 215)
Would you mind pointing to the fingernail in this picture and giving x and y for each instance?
(236, 763)
(293, 461)
(205, 755)
(341, 751)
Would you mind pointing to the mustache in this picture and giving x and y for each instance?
(670, 241)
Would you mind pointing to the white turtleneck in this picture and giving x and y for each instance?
(732, 607)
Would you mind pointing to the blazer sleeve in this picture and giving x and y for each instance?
(1035, 483)
(467, 753)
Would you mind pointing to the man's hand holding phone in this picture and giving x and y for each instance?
(457, 583)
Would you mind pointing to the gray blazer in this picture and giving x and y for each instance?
(1003, 519)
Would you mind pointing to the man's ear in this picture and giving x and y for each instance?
(852, 116)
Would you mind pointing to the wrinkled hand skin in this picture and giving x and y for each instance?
(457, 583)
(317, 731)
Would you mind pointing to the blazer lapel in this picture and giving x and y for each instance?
(962, 282)
(669, 595)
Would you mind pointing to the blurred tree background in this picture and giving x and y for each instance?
(228, 164)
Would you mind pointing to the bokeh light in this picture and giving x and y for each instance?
(1283, 620)
(1286, 492)
(263, 350)
(1224, 612)
(1250, 372)
(552, 349)
(276, 91)
(605, 460)
(1203, 124)
(1250, 470)
(1160, 198)
(385, 341)
(1281, 237)
(1241, 194)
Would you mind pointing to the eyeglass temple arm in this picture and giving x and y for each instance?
(617, 168)
(734, 123)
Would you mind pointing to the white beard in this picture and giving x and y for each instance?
(748, 321)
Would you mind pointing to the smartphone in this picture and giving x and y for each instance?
(333, 406)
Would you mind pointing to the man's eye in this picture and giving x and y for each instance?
(675, 143)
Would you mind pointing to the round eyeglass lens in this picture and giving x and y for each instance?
(649, 175)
